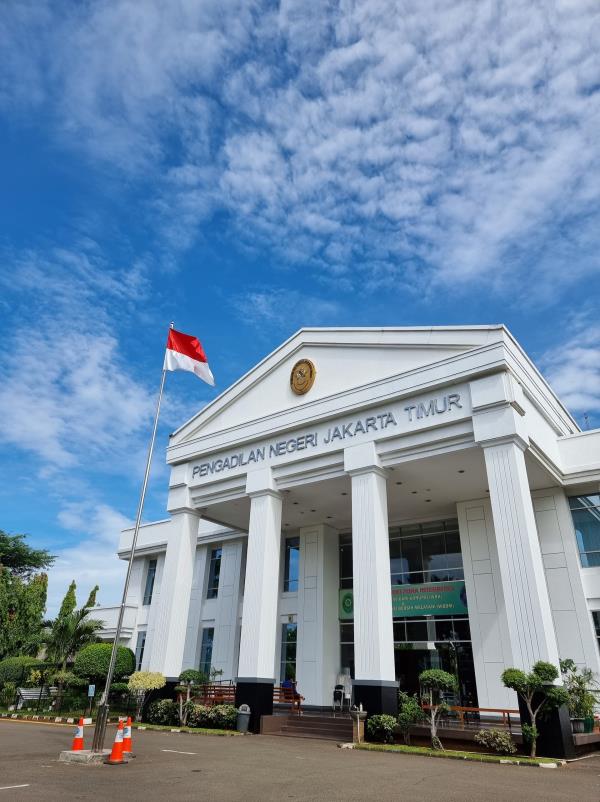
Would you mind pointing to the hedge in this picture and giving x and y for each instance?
(16, 669)
(92, 661)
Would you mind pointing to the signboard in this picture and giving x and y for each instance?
(91, 690)
(429, 598)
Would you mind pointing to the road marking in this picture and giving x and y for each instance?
(177, 752)
(9, 787)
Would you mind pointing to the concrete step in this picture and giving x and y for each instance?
(320, 725)
(316, 735)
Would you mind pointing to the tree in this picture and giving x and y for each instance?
(537, 692)
(140, 682)
(19, 558)
(21, 613)
(434, 682)
(71, 630)
(187, 680)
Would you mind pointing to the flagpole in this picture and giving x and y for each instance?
(102, 713)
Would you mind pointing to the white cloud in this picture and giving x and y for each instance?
(285, 309)
(67, 394)
(388, 141)
(92, 560)
(573, 368)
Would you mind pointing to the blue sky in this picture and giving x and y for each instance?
(246, 168)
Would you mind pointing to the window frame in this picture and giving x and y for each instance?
(150, 582)
(582, 506)
(206, 649)
(289, 581)
(214, 573)
(284, 659)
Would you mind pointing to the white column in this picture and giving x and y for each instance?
(318, 651)
(261, 590)
(526, 599)
(499, 426)
(373, 624)
(226, 617)
(176, 587)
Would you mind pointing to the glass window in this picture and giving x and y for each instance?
(596, 619)
(346, 561)
(206, 648)
(289, 639)
(213, 574)
(150, 575)
(292, 564)
(585, 511)
(139, 650)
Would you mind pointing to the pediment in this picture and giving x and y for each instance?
(344, 359)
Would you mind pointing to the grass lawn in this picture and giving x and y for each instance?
(480, 757)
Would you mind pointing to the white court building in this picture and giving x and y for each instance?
(427, 501)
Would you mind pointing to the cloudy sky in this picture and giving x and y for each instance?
(245, 168)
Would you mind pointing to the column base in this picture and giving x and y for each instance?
(556, 732)
(257, 693)
(376, 696)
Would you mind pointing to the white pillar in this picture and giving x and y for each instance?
(499, 426)
(526, 600)
(373, 624)
(261, 590)
(176, 587)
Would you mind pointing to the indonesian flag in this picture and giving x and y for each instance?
(185, 352)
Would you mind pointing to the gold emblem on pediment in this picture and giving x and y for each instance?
(302, 376)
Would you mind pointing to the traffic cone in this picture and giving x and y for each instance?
(116, 756)
(78, 738)
(127, 746)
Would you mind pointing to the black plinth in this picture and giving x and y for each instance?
(376, 696)
(258, 695)
(556, 733)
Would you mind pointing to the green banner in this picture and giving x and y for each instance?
(429, 598)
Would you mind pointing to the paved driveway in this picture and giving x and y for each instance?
(267, 768)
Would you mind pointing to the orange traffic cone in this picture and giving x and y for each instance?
(78, 738)
(116, 756)
(127, 746)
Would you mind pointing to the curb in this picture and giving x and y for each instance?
(448, 755)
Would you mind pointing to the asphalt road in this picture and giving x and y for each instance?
(267, 768)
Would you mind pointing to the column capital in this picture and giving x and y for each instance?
(363, 458)
(261, 483)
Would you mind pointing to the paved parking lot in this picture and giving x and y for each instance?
(181, 767)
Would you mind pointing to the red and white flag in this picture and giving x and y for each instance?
(185, 352)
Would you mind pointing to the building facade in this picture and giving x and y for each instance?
(374, 502)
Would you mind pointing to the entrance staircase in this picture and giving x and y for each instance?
(321, 726)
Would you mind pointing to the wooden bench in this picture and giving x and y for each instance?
(34, 694)
(288, 696)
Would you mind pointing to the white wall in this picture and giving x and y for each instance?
(572, 620)
(487, 618)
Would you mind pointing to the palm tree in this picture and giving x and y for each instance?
(70, 631)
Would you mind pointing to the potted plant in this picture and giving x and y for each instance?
(579, 683)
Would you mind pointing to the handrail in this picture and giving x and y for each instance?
(462, 710)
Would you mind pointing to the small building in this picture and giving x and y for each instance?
(374, 502)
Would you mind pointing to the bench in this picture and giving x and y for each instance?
(288, 696)
(34, 694)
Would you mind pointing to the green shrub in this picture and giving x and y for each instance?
(218, 717)
(198, 715)
(224, 717)
(409, 714)
(92, 661)
(162, 711)
(16, 669)
(8, 693)
(497, 741)
(380, 728)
